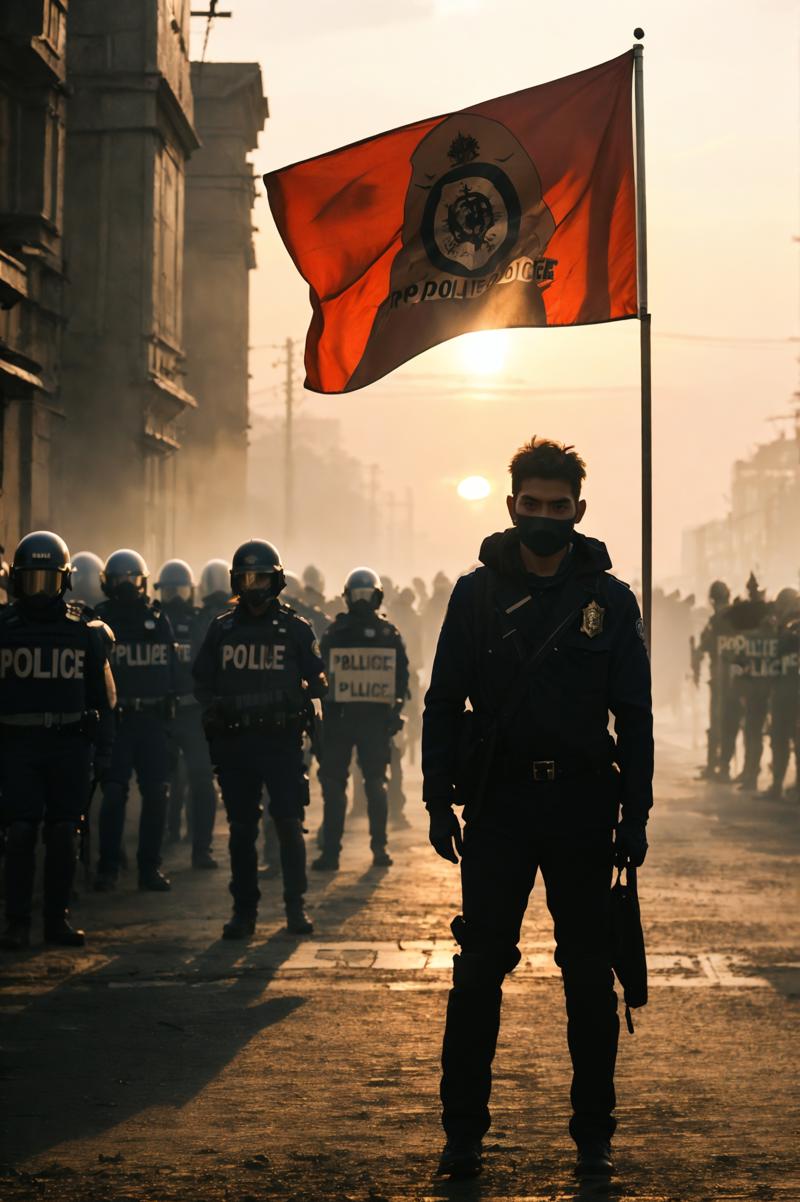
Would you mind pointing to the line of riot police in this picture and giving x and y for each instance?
(101, 682)
(752, 646)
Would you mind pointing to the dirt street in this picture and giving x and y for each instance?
(161, 1063)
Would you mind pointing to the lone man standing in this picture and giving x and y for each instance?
(543, 643)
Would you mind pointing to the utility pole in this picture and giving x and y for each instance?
(373, 507)
(288, 451)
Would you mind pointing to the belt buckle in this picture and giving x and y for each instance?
(544, 770)
(48, 721)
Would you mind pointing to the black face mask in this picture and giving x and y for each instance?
(257, 598)
(545, 536)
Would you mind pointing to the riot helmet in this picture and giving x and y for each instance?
(719, 594)
(124, 578)
(787, 602)
(363, 589)
(215, 579)
(175, 582)
(294, 586)
(85, 584)
(314, 580)
(257, 572)
(41, 569)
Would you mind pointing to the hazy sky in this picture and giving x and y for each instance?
(722, 170)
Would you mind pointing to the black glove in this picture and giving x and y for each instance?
(445, 834)
(630, 846)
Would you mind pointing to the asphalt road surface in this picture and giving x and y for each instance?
(161, 1063)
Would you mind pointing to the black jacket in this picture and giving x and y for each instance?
(572, 688)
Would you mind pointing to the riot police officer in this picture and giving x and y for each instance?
(783, 701)
(85, 585)
(255, 675)
(543, 642)
(145, 669)
(176, 591)
(365, 659)
(720, 597)
(214, 592)
(57, 698)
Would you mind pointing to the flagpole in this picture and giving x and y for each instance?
(644, 343)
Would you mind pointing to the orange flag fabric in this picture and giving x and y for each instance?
(516, 212)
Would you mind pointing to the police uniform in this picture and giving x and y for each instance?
(254, 676)
(749, 650)
(784, 704)
(145, 668)
(554, 786)
(56, 699)
(187, 738)
(366, 662)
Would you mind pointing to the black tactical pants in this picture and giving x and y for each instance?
(756, 708)
(188, 740)
(368, 733)
(140, 745)
(45, 779)
(782, 728)
(731, 708)
(396, 793)
(247, 763)
(500, 863)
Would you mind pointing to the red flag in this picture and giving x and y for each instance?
(516, 212)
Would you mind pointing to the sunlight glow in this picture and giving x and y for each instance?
(474, 488)
(484, 352)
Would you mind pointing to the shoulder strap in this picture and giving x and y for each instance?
(572, 604)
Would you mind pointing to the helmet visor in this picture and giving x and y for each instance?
(248, 581)
(176, 592)
(126, 584)
(40, 582)
(362, 594)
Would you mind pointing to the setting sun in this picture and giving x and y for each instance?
(474, 488)
(484, 352)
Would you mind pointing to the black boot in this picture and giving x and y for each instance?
(381, 859)
(16, 936)
(239, 926)
(297, 921)
(153, 881)
(59, 931)
(461, 1158)
(204, 859)
(594, 1158)
(104, 882)
(325, 863)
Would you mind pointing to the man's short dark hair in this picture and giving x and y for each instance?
(549, 461)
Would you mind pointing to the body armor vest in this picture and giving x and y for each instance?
(43, 665)
(184, 628)
(361, 661)
(258, 662)
(143, 656)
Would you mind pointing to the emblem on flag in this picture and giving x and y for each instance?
(515, 212)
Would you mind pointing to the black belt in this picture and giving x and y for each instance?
(142, 705)
(541, 771)
(46, 721)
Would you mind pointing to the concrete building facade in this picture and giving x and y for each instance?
(130, 132)
(32, 117)
(230, 111)
(759, 533)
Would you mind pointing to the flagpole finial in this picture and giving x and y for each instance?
(638, 33)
